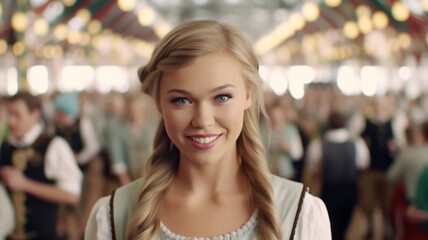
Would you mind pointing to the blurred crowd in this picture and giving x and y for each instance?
(366, 157)
(110, 137)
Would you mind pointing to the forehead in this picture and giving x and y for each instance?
(208, 71)
(17, 105)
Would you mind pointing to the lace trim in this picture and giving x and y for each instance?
(167, 234)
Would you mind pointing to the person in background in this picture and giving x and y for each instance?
(207, 177)
(114, 120)
(399, 201)
(48, 111)
(131, 141)
(38, 170)
(114, 105)
(418, 211)
(283, 143)
(90, 105)
(308, 128)
(76, 130)
(375, 191)
(79, 132)
(407, 168)
(334, 162)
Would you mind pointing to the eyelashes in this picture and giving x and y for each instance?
(223, 97)
(181, 101)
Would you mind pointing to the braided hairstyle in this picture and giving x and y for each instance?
(177, 49)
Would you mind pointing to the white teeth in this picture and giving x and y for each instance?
(204, 140)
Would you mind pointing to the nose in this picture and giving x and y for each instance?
(203, 116)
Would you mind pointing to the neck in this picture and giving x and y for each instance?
(210, 179)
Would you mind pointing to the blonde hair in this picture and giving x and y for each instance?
(178, 48)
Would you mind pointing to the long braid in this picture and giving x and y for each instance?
(262, 194)
(255, 166)
(160, 171)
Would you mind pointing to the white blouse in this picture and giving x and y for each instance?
(313, 222)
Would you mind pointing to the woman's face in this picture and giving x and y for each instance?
(203, 107)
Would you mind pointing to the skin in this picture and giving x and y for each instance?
(62, 119)
(209, 195)
(21, 120)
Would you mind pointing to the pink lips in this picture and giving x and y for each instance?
(204, 142)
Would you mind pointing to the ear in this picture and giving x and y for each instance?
(248, 100)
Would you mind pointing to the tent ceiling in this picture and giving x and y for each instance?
(256, 18)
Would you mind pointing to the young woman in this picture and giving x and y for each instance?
(207, 177)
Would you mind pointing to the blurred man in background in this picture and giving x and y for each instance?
(38, 170)
(80, 133)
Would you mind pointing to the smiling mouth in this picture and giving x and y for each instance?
(204, 140)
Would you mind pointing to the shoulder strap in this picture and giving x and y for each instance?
(112, 227)
(123, 203)
(299, 208)
(288, 197)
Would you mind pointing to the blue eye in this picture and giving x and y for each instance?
(180, 101)
(222, 98)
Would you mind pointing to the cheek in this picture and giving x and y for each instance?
(233, 117)
(16, 121)
(174, 122)
(11, 120)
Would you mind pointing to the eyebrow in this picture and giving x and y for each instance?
(175, 90)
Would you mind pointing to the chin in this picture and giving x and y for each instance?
(205, 158)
